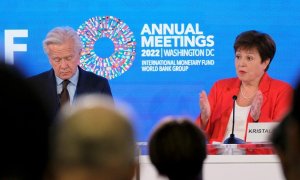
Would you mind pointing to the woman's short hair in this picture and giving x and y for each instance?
(255, 39)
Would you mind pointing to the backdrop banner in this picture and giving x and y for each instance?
(159, 54)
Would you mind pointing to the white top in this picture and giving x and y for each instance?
(241, 115)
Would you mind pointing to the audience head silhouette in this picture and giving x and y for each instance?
(93, 140)
(24, 128)
(177, 148)
(286, 139)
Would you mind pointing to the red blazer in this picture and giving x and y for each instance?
(277, 96)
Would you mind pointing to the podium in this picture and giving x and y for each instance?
(226, 161)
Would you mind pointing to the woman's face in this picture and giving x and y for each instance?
(249, 66)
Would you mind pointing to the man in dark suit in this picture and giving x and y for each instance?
(66, 80)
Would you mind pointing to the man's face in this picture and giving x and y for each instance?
(64, 59)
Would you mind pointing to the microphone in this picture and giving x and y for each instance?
(232, 139)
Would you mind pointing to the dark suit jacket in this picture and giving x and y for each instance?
(88, 82)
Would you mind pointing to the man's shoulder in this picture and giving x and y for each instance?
(41, 76)
(87, 75)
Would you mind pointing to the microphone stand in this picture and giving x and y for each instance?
(232, 139)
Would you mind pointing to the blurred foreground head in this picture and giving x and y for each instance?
(177, 148)
(286, 139)
(93, 140)
(24, 128)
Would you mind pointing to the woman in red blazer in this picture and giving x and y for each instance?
(259, 97)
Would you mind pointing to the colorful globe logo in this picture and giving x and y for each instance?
(124, 46)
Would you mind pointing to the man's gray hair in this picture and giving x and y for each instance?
(59, 35)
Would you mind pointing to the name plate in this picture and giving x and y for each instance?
(260, 132)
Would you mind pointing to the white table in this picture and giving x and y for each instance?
(227, 167)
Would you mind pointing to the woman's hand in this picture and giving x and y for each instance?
(256, 106)
(204, 107)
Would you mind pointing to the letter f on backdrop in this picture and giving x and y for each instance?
(10, 47)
